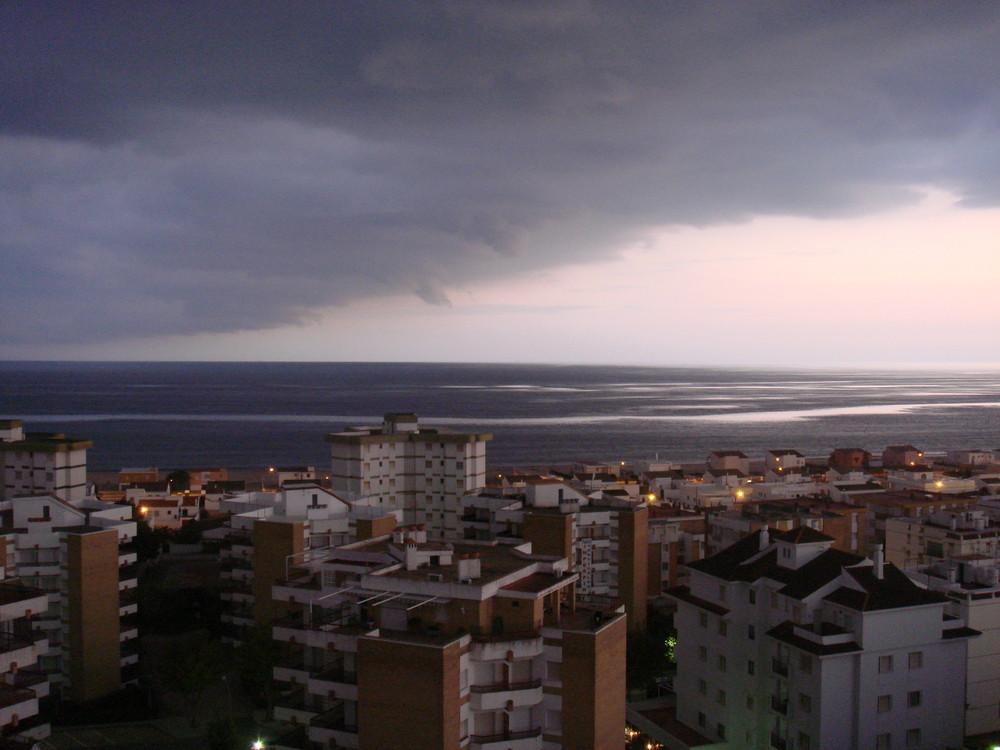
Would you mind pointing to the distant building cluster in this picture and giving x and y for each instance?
(850, 600)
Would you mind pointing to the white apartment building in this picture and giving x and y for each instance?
(925, 479)
(22, 683)
(784, 642)
(402, 466)
(971, 584)
(37, 463)
(81, 556)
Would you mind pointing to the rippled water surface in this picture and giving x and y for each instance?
(255, 414)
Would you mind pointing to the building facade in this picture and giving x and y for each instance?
(402, 466)
(785, 642)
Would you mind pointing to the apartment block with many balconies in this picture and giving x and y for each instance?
(400, 639)
(785, 642)
(402, 466)
(82, 556)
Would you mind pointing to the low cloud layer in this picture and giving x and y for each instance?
(204, 167)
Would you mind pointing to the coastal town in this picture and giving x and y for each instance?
(411, 589)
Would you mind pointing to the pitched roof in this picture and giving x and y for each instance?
(803, 535)
(893, 589)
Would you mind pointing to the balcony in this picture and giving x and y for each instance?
(295, 707)
(530, 739)
(21, 649)
(335, 682)
(778, 742)
(779, 704)
(27, 679)
(779, 667)
(17, 702)
(296, 670)
(334, 632)
(128, 572)
(21, 601)
(332, 729)
(502, 695)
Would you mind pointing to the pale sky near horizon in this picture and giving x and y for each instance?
(769, 183)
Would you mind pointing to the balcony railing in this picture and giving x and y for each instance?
(779, 667)
(502, 687)
(10, 642)
(11, 593)
(13, 696)
(527, 734)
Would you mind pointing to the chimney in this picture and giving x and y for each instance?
(410, 554)
(469, 567)
(879, 559)
(765, 538)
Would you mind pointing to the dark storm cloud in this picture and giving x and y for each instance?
(185, 166)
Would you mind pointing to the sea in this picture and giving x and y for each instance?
(245, 415)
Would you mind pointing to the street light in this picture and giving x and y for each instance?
(258, 745)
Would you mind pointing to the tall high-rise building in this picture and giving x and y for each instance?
(37, 463)
(400, 465)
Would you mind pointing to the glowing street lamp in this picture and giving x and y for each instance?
(258, 745)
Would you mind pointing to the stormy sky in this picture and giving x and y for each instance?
(772, 182)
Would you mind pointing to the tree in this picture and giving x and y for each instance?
(189, 666)
(178, 481)
(256, 659)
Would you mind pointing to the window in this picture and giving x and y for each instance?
(912, 737)
(750, 701)
(774, 599)
(722, 663)
(884, 703)
(916, 660)
(885, 664)
(720, 729)
(723, 627)
(752, 596)
(805, 703)
(702, 653)
(751, 667)
(703, 619)
(751, 632)
(883, 741)
(702, 687)
(701, 719)
(805, 663)
(803, 743)
(913, 698)
(720, 697)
